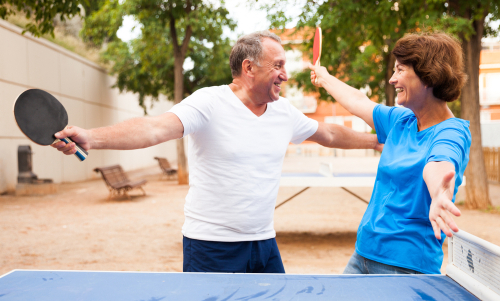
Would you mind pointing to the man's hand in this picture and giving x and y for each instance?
(442, 207)
(76, 134)
(379, 147)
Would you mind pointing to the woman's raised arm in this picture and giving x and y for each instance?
(353, 100)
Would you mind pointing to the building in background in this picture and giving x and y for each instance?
(489, 82)
(489, 93)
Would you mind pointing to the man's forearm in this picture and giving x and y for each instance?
(136, 133)
(346, 138)
(338, 136)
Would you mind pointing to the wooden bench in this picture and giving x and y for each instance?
(166, 168)
(117, 181)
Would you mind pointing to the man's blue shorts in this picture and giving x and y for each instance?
(260, 256)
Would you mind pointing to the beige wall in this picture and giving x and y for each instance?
(84, 89)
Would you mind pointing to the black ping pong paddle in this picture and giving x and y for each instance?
(40, 115)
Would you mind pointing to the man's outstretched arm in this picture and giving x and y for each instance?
(337, 136)
(134, 133)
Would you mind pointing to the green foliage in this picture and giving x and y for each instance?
(41, 13)
(492, 209)
(101, 25)
(146, 64)
(455, 107)
(358, 36)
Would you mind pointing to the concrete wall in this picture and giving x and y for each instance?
(85, 90)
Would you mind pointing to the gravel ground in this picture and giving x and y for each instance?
(79, 229)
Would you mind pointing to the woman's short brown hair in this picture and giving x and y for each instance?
(437, 60)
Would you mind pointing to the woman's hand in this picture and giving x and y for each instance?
(442, 208)
(317, 74)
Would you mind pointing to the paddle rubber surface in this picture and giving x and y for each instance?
(40, 115)
(317, 46)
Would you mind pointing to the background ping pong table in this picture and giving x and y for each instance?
(141, 286)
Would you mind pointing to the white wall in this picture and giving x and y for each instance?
(490, 134)
(85, 90)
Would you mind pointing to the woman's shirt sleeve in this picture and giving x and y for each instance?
(451, 144)
(385, 117)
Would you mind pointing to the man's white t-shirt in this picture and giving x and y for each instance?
(235, 160)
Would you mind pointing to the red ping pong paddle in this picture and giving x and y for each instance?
(317, 48)
(40, 115)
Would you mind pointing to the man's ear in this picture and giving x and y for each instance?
(247, 68)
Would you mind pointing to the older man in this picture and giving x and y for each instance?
(239, 135)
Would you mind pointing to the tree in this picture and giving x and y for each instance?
(475, 13)
(359, 52)
(360, 35)
(42, 12)
(152, 64)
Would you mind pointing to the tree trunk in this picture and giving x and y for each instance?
(390, 92)
(182, 169)
(477, 194)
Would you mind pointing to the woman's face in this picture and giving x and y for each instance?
(410, 89)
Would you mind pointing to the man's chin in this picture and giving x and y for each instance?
(274, 98)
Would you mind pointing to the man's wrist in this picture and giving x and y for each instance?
(92, 142)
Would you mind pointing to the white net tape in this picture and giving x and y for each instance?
(477, 261)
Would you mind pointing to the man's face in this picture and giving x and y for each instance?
(271, 72)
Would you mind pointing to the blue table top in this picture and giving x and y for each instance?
(135, 286)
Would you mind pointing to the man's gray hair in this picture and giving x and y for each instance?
(248, 47)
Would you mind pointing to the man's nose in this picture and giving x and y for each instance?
(283, 75)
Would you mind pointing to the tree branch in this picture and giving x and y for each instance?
(173, 34)
(189, 30)
(185, 43)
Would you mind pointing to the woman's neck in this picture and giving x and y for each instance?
(433, 111)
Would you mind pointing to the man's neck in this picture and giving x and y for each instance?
(243, 91)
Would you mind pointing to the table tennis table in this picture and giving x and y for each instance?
(141, 286)
(328, 177)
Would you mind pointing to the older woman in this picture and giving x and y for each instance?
(424, 158)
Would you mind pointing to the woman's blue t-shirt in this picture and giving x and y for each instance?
(395, 228)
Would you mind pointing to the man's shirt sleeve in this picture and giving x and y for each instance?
(303, 126)
(194, 111)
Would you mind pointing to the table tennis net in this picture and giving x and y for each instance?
(475, 264)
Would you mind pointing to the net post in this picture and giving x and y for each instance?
(474, 264)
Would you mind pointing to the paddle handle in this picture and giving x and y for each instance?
(317, 65)
(81, 154)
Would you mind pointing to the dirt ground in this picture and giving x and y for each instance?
(79, 229)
